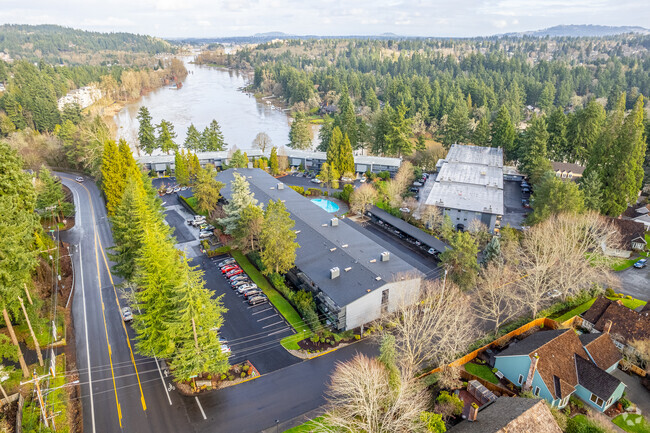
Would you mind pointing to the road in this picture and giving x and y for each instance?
(124, 392)
(634, 282)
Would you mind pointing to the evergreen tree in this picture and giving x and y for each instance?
(503, 133)
(547, 98)
(335, 148)
(583, 130)
(249, 228)
(193, 139)
(146, 132)
(207, 189)
(240, 198)
(181, 169)
(273, 162)
(457, 129)
(325, 134)
(238, 159)
(299, 134)
(554, 196)
(557, 141)
(212, 138)
(492, 250)
(195, 327)
(166, 135)
(346, 158)
(194, 166)
(49, 193)
(329, 175)
(481, 135)
(380, 130)
(127, 163)
(591, 187)
(533, 156)
(399, 133)
(461, 259)
(347, 120)
(113, 181)
(278, 239)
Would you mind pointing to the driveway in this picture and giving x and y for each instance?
(635, 282)
(635, 392)
(514, 213)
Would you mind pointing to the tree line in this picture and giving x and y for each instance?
(178, 319)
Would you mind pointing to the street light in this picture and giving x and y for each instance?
(277, 425)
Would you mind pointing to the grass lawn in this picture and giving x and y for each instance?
(482, 371)
(574, 312)
(306, 427)
(283, 306)
(632, 304)
(632, 423)
(194, 205)
(622, 264)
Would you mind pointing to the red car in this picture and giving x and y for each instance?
(229, 268)
(233, 273)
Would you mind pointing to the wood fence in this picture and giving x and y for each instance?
(541, 322)
(498, 390)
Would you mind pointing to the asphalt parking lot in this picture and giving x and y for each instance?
(635, 282)
(253, 332)
(514, 212)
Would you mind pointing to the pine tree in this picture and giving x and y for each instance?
(278, 239)
(238, 159)
(457, 129)
(329, 175)
(380, 130)
(166, 135)
(533, 156)
(398, 137)
(335, 148)
(193, 139)
(503, 133)
(273, 162)
(249, 228)
(591, 187)
(207, 189)
(299, 134)
(195, 326)
(347, 120)
(49, 193)
(547, 98)
(557, 141)
(181, 169)
(492, 250)
(113, 181)
(346, 158)
(241, 197)
(146, 132)
(553, 196)
(128, 165)
(481, 136)
(212, 138)
(194, 166)
(583, 129)
(461, 259)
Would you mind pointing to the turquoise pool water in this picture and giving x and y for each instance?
(329, 206)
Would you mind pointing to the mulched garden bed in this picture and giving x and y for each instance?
(8, 416)
(311, 347)
(209, 382)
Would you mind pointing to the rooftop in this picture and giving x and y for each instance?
(568, 167)
(627, 324)
(479, 155)
(602, 350)
(511, 415)
(475, 198)
(460, 172)
(323, 246)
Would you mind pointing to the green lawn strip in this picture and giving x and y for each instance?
(632, 423)
(283, 306)
(482, 371)
(574, 312)
(622, 264)
(632, 304)
(193, 203)
(307, 427)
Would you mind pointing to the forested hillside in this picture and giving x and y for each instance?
(56, 44)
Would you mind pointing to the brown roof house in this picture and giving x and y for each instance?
(557, 364)
(624, 324)
(637, 213)
(510, 415)
(632, 238)
(567, 170)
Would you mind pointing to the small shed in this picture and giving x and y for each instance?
(480, 393)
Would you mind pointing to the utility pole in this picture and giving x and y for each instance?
(35, 380)
(31, 331)
(29, 297)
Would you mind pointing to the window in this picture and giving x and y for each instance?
(520, 380)
(595, 399)
(570, 175)
(536, 391)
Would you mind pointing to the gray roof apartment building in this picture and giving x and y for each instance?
(469, 185)
(354, 280)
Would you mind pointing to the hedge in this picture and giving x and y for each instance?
(299, 189)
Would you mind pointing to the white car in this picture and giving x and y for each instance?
(79, 179)
(127, 314)
(405, 210)
(225, 348)
(316, 180)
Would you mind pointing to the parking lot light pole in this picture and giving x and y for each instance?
(277, 425)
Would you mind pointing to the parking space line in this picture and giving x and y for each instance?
(275, 315)
(200, 407)
(273, 324)
(278, 332)
(261, 311)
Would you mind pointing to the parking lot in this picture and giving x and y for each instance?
(252, 332)
(514, 212)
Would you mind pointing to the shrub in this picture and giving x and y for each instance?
(327, 341)
(384, 175)
(580, 424)
(315, 192)
(357, 337)
(576, 402)
(299, 189)
(231, 377)
(223, 376)
(609, 292)
(332, 342)
(245, 367)
(209, 377)
(243, 374)
(345, 194)
(494, 370)
(628, 297)
(314, 339)
(625, 403)
(430, 379)
(448, 405)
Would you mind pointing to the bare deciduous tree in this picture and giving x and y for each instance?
(495, 299)
(362, 198)
(397, 186)
(361, 399)
(435, 330)
(431, 216)
(262, 141)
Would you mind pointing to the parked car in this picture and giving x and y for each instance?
(239, 278)
(418, 184)
(246, 288)
(170, 190)
(229, 268)
(347, 179)
(183, 188)
(553, 294)
(205, 235)
(525, 190)
(225, 348)
(233, 273)
(414, 189)
(251, 293)
(525, 184)
(362, 180)
(259, 299)
(405, 210)
(431, 251)
(79, 179)
(127, 314)
(226, 262)
(316, 180)
(641, 263)
(240, 283)
(525, 203)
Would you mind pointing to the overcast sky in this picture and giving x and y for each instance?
(206, 18)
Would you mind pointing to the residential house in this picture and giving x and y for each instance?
(632, 234)
(627, 325)
(510, 415)
(640, 214)
(567, 170)
(557, 364)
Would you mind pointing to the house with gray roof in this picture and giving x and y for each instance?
(354, 280)
(469, 186)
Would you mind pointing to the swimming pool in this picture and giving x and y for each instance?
(329, 206)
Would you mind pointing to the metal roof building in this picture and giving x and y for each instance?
(354, 280)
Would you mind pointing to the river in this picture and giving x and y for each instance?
(209, 93)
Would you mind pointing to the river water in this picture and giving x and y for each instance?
(209, 93)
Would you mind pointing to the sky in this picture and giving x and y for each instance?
(211, 18)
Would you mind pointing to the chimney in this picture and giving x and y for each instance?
(531, 373)
(335, 222)
(473, 412)
(385, 256)
(334, 273)
(280, 185)
(608, 327)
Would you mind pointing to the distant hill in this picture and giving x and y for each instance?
(582, 30)
(271, 35)
(56, 44)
